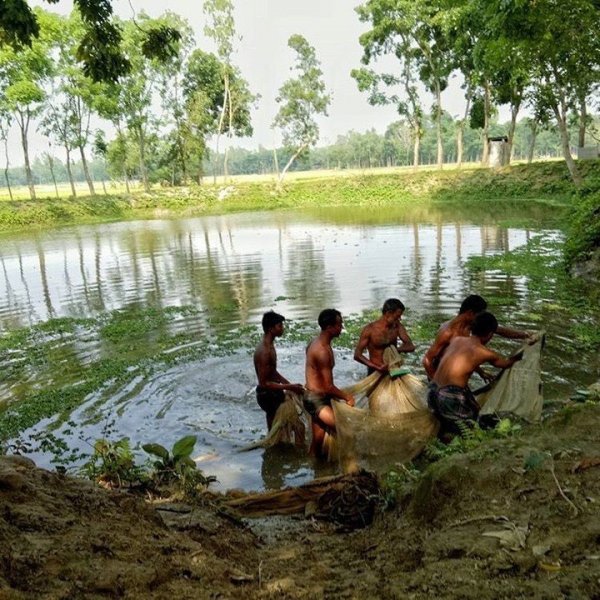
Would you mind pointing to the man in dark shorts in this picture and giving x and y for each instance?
(449, 396)
(271, 385)
(320, 389)
(378, 335)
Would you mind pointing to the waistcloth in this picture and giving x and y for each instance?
(452, 405)
(269, 400)
(314, 402)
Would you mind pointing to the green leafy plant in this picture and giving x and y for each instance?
(113, 464)
(471, 437)
(177, 467)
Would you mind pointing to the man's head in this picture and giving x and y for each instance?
(484, 326)
(272, 321)
(474, 304)
(392, 305)
(392, 310)
(330, 318)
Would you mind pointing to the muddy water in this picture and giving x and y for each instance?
(235, 267)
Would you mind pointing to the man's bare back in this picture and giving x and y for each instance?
(462, 357)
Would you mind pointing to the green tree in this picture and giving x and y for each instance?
(22, 76)
(205, 96)
(300, 100)
(561, 43)
(100, 47)
(412, 31)
(236, 95)
(5, 123)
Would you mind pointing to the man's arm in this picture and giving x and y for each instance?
(512, 334)
(272, 380)
(503, 363)
(323, 363)
(359, 355)
(439, 345)
(406, 345)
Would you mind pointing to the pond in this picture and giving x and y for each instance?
(213, 278)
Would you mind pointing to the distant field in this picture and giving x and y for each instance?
(118, 187)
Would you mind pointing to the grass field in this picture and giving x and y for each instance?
(118, 187)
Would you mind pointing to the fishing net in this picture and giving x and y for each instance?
(517, 391)
(394, 427)
(288, 425)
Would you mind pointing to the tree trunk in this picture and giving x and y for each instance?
(104, 187)
(438, 125)
(582, 122)
(70, 173)
(416, 149)
(485, 158)
(561, 118)
(51, 166)
(143, 171)
(276, 162)
(86, 171)
(514, 112)
(532, 143)
(292, 159)
(23, 126)
(6, 167)
(461, 130)
(126, 177)
(225, 164)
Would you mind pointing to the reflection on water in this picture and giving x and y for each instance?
(233, 268)
(236, 266)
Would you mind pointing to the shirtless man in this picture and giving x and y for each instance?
(449, 396)
(461, 326)
(380, 334)
(271, 385)
(320, 389)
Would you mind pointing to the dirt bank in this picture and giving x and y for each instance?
(515, 518)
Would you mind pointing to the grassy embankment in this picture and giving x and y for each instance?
(547, 182)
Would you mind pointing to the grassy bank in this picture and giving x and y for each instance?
(547, 182)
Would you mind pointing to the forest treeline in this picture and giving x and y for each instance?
(164, 100)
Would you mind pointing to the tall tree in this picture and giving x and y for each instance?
(5, 123)
(22, 75)
(221, 29)
(204, 92)
(300, 100)
(412, 31)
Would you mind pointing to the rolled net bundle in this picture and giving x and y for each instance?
(518, 390)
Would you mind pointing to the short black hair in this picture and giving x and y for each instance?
(328, 317)
(473, 303)
(484, 324)
(392, 305)
(270, 319)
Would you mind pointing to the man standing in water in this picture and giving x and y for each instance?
(449, 395)
(461, 326)
(320, 389)
(380, 334)
(271, 385)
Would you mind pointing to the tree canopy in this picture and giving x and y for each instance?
(100, 48)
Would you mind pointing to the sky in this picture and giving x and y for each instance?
(331, 26)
